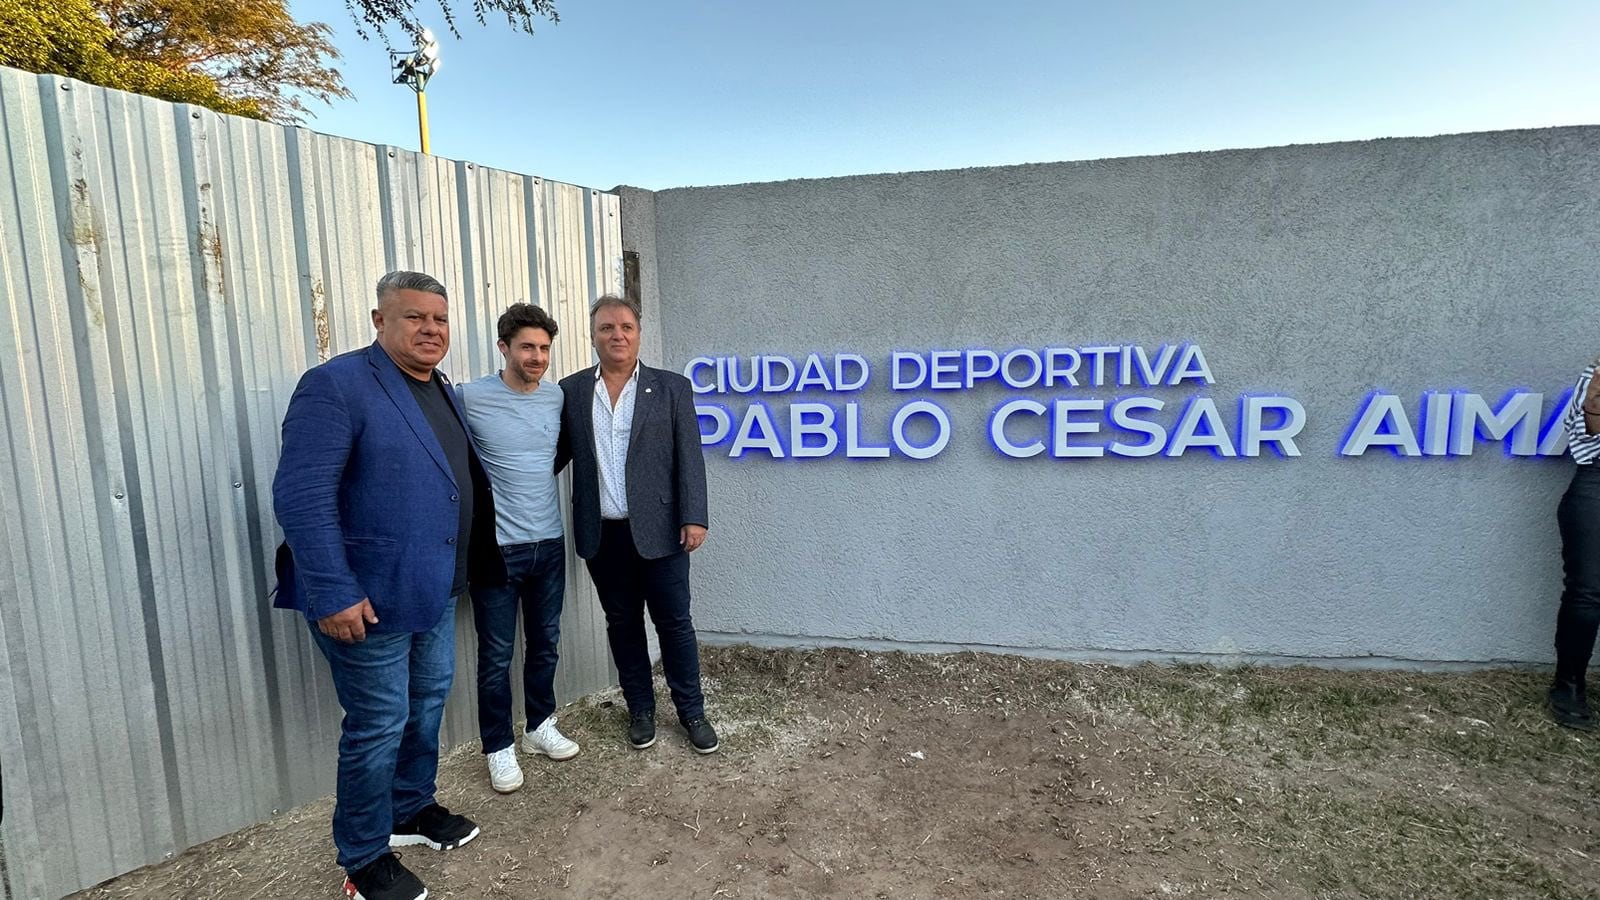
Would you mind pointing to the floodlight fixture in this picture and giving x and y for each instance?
(413, 68)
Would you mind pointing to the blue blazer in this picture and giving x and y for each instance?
(367, 500)
(665, 471)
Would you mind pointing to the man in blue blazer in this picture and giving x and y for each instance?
(638, 511)
(385, 508)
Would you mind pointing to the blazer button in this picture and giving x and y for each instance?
(454, 497)
(449, 540)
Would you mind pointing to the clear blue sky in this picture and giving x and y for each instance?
(667, 94)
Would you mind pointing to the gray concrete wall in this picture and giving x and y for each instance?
(1320, 272)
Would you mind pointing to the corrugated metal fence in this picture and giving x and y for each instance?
(168, 273)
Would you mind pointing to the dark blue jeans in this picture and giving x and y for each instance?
(536, 584)
(392, 687)
(627, 583)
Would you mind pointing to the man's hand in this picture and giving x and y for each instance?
(350, 625)
(691, 537)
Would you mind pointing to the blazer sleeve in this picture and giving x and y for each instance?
(689, 460)
(564, 437)
(317, 440)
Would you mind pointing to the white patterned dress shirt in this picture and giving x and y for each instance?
(612, 431)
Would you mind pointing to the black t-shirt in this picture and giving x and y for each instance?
(453, 439)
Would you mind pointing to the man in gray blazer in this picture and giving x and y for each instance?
(638, 511)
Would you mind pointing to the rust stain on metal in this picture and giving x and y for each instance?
(85, 240)
(209, 244)
(319, 319)
(82, 216)
(91, 298)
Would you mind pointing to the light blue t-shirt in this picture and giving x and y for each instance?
(516, 438)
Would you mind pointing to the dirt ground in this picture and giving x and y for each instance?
(878, 775)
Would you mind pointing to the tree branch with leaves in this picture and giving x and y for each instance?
(68, 37)
(379, 15)
(253, 49)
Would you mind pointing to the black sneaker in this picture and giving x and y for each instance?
(384, 879)
(1569, 704)
(642, 729)
(701, 735)
(434, 827)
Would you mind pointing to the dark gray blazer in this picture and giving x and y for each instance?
(666, 472)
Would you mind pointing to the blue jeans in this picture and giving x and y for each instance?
(627, 583)
(536, 583)
(392, 687)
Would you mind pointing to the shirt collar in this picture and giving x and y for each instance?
(635, 377)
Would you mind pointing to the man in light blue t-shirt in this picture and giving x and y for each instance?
(515, 419)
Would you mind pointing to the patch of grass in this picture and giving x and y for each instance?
(1352, 837)
(1384, 784)
(1352, 783)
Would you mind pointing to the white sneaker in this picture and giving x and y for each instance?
(547, 740)
(505, 775)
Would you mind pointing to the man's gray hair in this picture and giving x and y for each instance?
(613, 300)
(409, 281)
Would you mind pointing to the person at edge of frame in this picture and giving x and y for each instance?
(1578, 518)
(514, 417)
(385, 508)
(638, 511)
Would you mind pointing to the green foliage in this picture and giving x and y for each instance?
(247, 58)
(253, 50)
(60, 38)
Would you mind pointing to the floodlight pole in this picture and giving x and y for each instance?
(422, 118)
(413, 68)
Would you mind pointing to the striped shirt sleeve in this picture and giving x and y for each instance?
(1584, 447)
